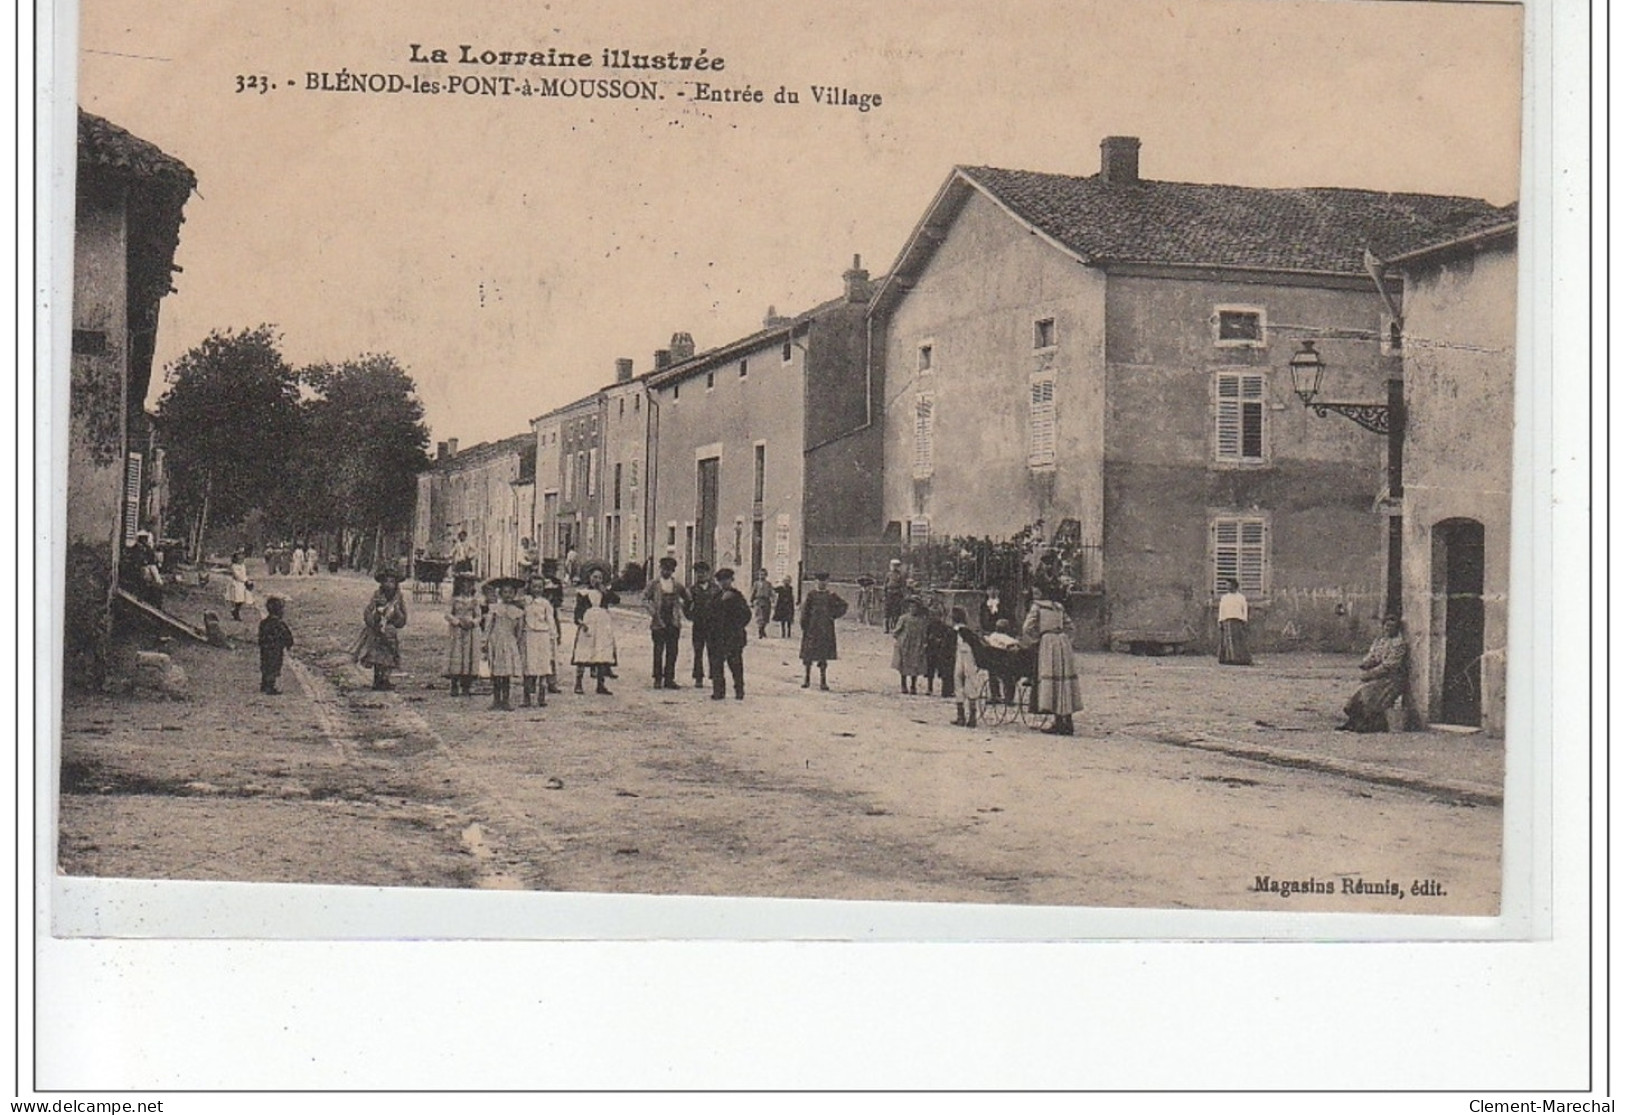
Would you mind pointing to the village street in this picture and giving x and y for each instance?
(858, 793)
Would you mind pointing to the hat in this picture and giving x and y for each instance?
(897, 561)
(588, 567)
(725, 574)
(821, 575)
(515, 583)
(702, 567)
(386, 575)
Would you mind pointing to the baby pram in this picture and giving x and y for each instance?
(1012, 692)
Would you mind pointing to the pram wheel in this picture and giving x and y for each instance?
(1025, 706)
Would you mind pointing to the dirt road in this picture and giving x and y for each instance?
(858, 793)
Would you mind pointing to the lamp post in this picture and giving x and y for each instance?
(1308, 369)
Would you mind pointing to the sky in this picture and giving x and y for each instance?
(508, 249)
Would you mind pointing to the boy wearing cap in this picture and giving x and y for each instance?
(701, 594)
(730, 617)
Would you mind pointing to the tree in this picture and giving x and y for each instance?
(232, 426)
(366, 440)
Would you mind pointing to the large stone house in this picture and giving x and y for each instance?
(127, 218)
(1108, 354)
(1460, 312)
(738, 430)
(483, 491)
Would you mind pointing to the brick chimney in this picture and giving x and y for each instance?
(623, 370)
(857, 281)
(451, 447)
(682, 347)
(1120, 160)
(662, 359)
(773, 320)
(440, 451)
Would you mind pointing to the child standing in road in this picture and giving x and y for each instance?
(970, 681)
(908, 656)
(275, 638)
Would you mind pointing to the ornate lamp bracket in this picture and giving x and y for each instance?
(1371, 416)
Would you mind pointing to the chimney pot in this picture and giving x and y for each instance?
(857, 281)
(682, 347)
(1120, 160)
(451, 447)
(773, 320)
(623, 370)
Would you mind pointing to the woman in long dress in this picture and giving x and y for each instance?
(462, 638)
(594, 647)
(1385, 672)
(784, 606)
(1233, 626)
(819, 611)
(379, 645)
(1058, 690)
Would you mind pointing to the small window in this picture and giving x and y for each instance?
(637, 403)
(676, 392)
(786, 353)
(1044, 333)
(632, 475)
(761, 472)
(90, 342)
(622, 412)
(671, 536)
(1238, 326)
(710, 380)
(744, 368)
(924, 436)
(1239, 416)
(925, 358)
(1241, 553)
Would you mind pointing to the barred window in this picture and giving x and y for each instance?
(1239, 416)
(1041, 422)
(1241, 553)
(924, 436)
(1238, 326)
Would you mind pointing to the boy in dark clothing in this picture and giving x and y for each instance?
(700, 596)
(275, 637)
(730, 620)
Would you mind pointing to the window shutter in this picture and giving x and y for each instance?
(1241, 552)
(132, 497)
(1229, 417)
(924, 436)
(1041, 423)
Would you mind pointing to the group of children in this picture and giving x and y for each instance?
(938, 648)
(513, 630)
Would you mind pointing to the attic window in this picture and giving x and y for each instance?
(710, 380)
(1044, 333)
(785, 353)
(744, 368)
(925, 358)
(1238, 326)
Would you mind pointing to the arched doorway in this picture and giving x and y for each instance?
(1458, 621)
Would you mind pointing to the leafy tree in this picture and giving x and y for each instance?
(232, 424)
(366, 442)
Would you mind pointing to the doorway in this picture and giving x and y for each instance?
(706, 527)
(1458, 619)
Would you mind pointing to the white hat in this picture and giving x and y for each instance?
(897, 561)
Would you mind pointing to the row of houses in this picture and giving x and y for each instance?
(1106, 357)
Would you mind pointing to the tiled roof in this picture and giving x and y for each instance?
(106, 145)
(1321, 229)
(724, 353)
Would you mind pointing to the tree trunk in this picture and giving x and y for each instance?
(203, 520)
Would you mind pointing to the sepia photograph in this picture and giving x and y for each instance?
(1055, 461)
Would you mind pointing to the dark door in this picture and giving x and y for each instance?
(1459, 571)
(705, 528)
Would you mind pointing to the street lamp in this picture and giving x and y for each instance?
(1307, 369)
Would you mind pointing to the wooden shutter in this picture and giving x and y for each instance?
(924, 436)
(1041, 422)
(132, 497)
(1239, 416)
(1241, 551)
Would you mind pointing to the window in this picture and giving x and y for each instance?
(617, 497)
(739, 541)
(1238, 326)
(744, 368)
(90, 342)
(592, 471)
(676, 392)
(924, 364)
(622, 412)
(924, 448)
(1241, 552)
(637, 403)
(786, 353)
(1044, 333)
(710, 380)
(761, 472)
(1041, 422)
(1239, 416)
(632, 477)
(671, 535)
